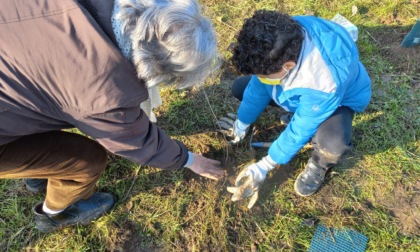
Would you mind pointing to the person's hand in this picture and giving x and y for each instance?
(250, 180)
(232, 128)
(206, 167)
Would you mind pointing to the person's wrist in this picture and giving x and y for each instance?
(190, 160)
(242, 127)
(267, 163)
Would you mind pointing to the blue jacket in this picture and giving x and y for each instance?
(328, 75)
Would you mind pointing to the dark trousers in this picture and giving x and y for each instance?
(71, 162)
(332, 139)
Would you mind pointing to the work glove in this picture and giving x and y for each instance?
(251, 179)
(233, 128)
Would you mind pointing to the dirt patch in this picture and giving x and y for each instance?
(404, 205)
(406, 60)
(130, 240)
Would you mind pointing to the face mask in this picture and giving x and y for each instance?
(270, 81)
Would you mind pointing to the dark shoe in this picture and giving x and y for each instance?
(79, 213)
(285, 119)
(36, 185)
(310, 180)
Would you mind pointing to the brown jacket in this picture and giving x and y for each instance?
(60, 68)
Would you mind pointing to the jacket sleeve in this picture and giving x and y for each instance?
(255, 100)
(127, 132)
(313, 109)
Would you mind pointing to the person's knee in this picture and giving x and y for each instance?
(239, 86)
(333, 149)
(94, 159)
(99, 161)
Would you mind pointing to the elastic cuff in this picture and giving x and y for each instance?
(190, 160)
(267, 163)
(242, 126)
(270, 160)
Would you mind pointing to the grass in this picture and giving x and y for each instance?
(374, 191)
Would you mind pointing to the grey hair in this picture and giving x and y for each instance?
(172, 42)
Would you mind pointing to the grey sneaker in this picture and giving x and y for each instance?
(310, 180)
(285, 119)
(36, 185)
(79, 213)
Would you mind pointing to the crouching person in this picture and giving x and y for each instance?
(310, 67)
(88, 65)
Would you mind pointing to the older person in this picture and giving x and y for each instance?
(89, 65)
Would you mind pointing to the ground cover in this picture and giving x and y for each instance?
(376, 190)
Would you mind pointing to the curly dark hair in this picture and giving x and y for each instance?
(266, 41)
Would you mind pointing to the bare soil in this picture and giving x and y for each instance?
(404, 205)
(406, 60)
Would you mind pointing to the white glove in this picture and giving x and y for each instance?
(233, 128)
(251, 179)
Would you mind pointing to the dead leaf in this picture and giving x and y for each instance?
(354, 10)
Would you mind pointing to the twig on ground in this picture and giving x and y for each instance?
(228, 25)
(14, 235)
(373, 38)
(201, 209)
(215, 118)
(400, 75)
(331, 234)
(252, 137)
(261, 231)
(132, 184)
